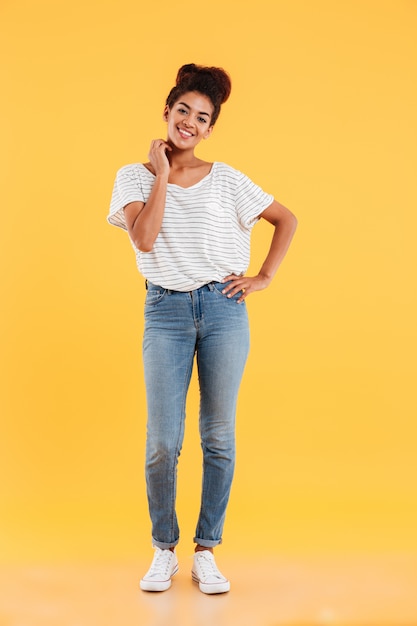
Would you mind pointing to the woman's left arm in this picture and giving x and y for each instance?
(284, 223)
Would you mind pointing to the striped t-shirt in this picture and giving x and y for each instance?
(205, 231)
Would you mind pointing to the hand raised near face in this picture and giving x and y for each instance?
(158, 158)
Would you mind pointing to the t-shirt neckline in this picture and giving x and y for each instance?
(199, 182)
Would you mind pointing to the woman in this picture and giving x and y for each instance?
(190, 223)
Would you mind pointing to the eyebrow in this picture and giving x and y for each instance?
(188, 107)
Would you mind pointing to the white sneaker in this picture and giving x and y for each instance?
(206, 574)
(163, 568)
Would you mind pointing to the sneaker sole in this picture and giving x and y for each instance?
(213, 587)
(157, 585)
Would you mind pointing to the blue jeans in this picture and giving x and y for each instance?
(179, 325)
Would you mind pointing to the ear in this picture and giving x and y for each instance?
(208, 132)
(165, 114)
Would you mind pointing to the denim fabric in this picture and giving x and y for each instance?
(179, 325)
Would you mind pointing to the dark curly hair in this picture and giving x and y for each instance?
(212, 82)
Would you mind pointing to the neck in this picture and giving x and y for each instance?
(181, 158)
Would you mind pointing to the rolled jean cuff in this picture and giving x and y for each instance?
(164, 546)
(207, 543)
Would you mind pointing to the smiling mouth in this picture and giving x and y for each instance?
(184, 133)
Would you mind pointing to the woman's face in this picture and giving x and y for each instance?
(189, 120)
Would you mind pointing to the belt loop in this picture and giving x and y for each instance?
(146, 283)
(211, 286)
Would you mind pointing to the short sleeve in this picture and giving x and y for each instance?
(251, 200)
(127, 188)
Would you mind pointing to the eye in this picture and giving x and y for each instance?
(202, 119)
(181, 110)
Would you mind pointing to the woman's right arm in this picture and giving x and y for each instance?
(144, 221)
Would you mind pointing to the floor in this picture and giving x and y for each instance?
(285, 591)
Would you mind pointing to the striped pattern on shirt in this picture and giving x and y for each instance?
(205, 232)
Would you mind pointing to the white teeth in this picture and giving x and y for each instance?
(185, 132)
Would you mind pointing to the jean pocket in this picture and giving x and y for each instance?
(218, 288)
(154, 296)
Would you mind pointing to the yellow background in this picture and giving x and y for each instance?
(323, 115)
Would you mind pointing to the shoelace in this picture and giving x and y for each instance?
(161, 563)
(208, 566)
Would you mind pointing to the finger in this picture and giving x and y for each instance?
(243, 296)
(234, 286)
(157, 143)
(232, 281)
(164, 146)
(230, 287)
(230, 277)
(236, 290)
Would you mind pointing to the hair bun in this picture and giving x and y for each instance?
(216, 76)
(185, 72)
(212, 82)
